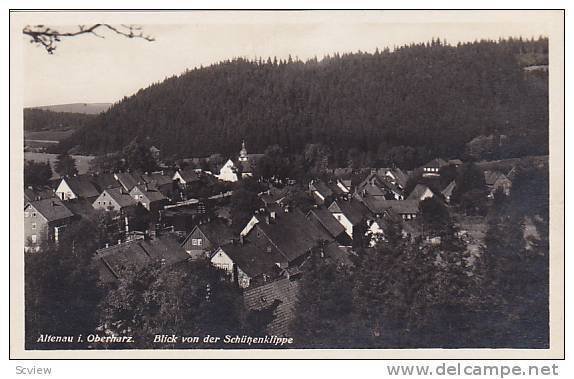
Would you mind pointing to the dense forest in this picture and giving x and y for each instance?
(425, 100)
(39, 120)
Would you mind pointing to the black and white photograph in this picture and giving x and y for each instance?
(287, 182)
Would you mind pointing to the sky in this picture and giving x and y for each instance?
(88, 69)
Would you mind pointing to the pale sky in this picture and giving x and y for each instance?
(90, 69)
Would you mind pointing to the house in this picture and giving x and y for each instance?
(323, 218)
(407, 209)
(397, 176)
(245, 263)
(186, 178)
(205, 238)
(160, 181)
(349, 213)
(150, 198)
(38, 193)
(116, 199)
(448, 191)
(379, 186)
(420, 192)
(276, 196)
(228, 172)
(496, 180)
(44, 220)
(432, 168)
(278, 297)
(128, 180)
(320, 191)
(287, 237)
(243, 167)
(114, 261)
(79, 186)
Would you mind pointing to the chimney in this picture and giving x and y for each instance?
(272, 215)
(107, 245)
(119, 241)
(267, 219)
(54, 203)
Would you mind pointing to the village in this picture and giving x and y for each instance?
(178, 214)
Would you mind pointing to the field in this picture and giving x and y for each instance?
(82, 161)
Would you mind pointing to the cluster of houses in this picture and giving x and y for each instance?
(268, 256)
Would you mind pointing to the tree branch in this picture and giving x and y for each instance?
(48, 37)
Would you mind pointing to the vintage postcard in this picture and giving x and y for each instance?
(287, 184)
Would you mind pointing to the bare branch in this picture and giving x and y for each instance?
(47, 37)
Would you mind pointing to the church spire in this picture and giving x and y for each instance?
(243, 152)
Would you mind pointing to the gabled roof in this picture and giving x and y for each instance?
(150, 193)
(280, 296)
(188, 175)
(158, 179)
(436, 163)
(447, 192)
(104, 181)
(456, 162)
(249, 258)
(321, 187)
(120, 196)
(291, 234)
(51, 209)
(128, 180)
(418, 192)
(352, 209)
(82, 185)
(490, 177)
(113, 260)
(379, 206)
(216, 231)
(325, 219)
(38, 193)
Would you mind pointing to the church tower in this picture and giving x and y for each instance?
(243, 153)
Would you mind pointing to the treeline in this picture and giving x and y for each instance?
(39, 119)
(419, 101)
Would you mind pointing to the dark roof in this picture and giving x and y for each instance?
(82, 208)
(280, 295)
(38, 193)
(216, 231)
(291, 234)
(150, 193)
(337, 254)
(250, 258)
(188, 175)
(377, 205)
(324, 218)
(158, 179)
(417, 192)
(123, 199)
(321, 187)
(82, 185)
(352, 209)
(436, 163)
(490, 177)
(52, 209)
(113, 260)
(128, 180)
(400, 176)
(104, 181)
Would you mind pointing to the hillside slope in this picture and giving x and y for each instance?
(428, 99)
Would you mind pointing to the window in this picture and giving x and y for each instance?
(34, 238)
(196, 241)
(26, 214)
(33, 214)
(33, 225)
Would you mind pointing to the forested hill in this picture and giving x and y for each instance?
(429, 99)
